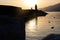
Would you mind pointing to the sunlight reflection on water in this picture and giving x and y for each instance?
(31, 25)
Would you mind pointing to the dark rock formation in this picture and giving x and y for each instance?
(52, 37)
(12, 21)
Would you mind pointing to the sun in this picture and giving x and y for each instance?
(30, 3)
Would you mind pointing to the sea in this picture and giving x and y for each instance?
(49, 24)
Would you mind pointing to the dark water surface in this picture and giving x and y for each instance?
(43, 27)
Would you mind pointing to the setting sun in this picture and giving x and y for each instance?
(30, 3)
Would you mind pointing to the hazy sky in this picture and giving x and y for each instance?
(20, 3)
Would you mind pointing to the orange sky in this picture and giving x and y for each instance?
(20, 3)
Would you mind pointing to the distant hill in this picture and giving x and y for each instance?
(55, 7)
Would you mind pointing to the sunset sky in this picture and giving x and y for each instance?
(27, 4)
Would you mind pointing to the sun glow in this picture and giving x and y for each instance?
(30, 3)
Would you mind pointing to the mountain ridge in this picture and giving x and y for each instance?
(55, 7)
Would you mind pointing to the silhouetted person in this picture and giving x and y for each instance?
(36, 7)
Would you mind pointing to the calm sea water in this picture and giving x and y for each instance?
(43, 27)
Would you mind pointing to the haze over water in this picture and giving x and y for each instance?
(43, 27)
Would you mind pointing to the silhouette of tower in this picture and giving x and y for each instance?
(35, 6)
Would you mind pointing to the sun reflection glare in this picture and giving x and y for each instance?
(32, 25)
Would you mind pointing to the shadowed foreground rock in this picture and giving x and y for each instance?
(52, 37)
(12, 22)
